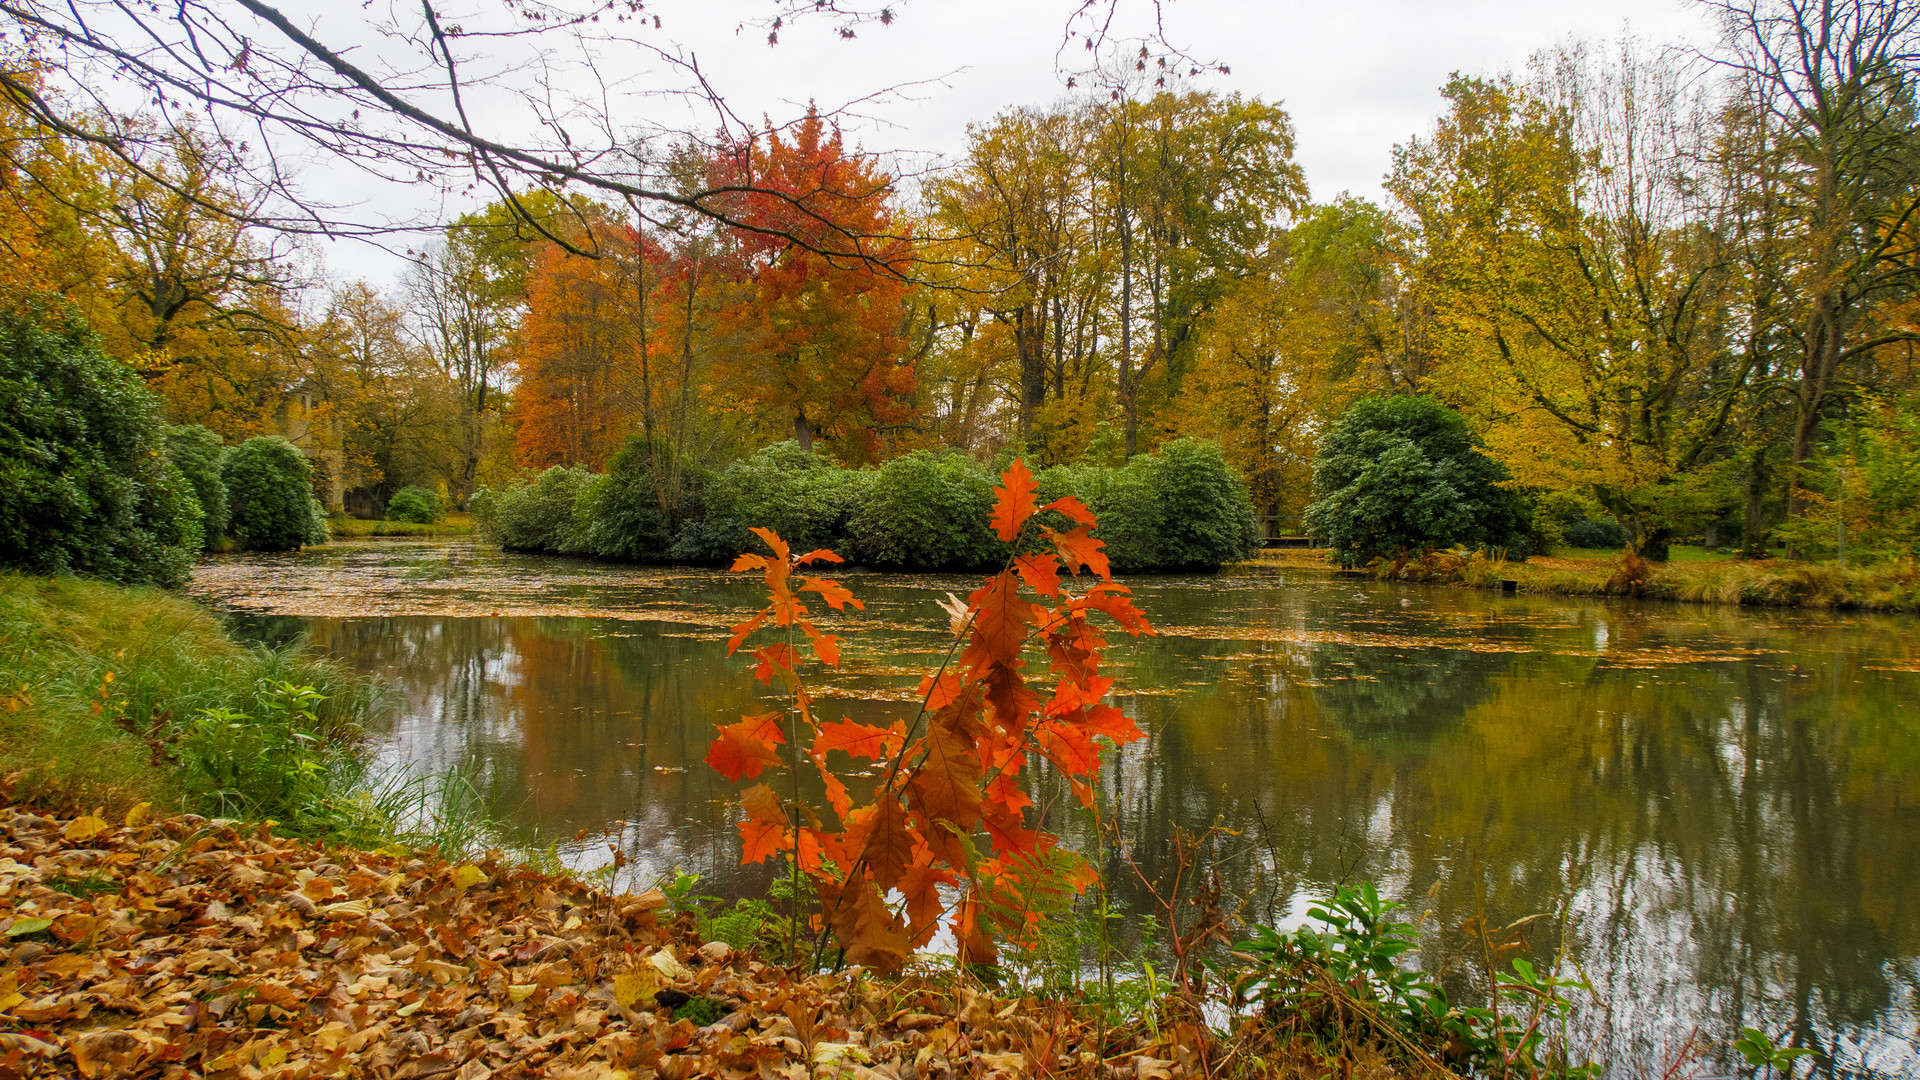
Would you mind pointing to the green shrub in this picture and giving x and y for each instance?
(807, 498)
(1405, 474)
(85, 485)
(537, 517)
(622, 517)
(196, 452)
(270, 501)
(415, 504)
(1206, 513)
(1125, 501)
(1181, 509)
(927, 511)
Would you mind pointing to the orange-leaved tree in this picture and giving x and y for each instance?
(820, 340)
(950, 809)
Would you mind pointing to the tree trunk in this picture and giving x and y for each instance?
(1753, 531)
(1030, 341)
(803, 431)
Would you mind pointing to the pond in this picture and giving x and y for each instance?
(1717, 810)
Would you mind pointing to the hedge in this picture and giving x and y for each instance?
(1183, 509)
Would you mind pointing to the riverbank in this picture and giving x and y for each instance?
(136, 941)
(1890, 587)
(123, 695)
(352, 528)
(139, 946)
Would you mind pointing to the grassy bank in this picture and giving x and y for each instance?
(1691, 577)
(352, 528)
(119, 696)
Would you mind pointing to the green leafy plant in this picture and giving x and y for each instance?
(273, 764)
(927, 511)
(1405, 474)
(270, 501)
(1343, 982)
(1759, 1051)
(415, 504)
(85, 484)
(196, 452)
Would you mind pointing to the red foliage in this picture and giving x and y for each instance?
(821, 345)
(950, 809)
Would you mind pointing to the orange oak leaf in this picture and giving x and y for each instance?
(1078, 548)
(836, 595)
(1005, 791)
(825, 646)
(818, 555)
(1011, 700)
(739, 756)
(872, 934)
(970, 935)
(889, 847)
(920, 886)
(860, 740)
(1072, 694)
(741, 632)
(1073, 508)
(760, 840)
(1068, 747)
(837, 794)
(938, 694)
(1013, 500)
(765, 727)
(1115, 601)
(762, 805)
(778, 564)
(774, 659)
(946, 788)
(1111, 722)
(1040, 572)
(1000, 628)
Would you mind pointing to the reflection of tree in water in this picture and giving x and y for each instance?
(1736, 837)
(1401, 699)
(271, 631)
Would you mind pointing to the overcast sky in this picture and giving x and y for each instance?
(1356, 77)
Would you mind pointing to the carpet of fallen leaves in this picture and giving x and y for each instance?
(179, 947)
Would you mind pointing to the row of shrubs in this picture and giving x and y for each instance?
(1183, 508)
(92, 480)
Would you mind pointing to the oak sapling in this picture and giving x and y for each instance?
(949, 807)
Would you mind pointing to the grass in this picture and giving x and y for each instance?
(1693, 575)
(116, 696)
(352, 528)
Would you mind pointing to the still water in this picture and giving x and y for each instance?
(1721, 807)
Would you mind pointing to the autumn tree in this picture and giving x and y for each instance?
(1823, 153)
(1578, 299)
(820, 348)
(1189, 186)
(580, 391)
(1282, 355)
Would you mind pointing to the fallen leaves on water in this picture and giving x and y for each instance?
(217, 951)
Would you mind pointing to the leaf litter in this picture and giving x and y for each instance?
(211, 949)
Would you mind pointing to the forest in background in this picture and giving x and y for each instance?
(1674, 291)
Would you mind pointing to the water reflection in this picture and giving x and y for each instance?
(1721, 806)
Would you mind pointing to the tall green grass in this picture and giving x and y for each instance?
(113, 696)
(99, 681)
